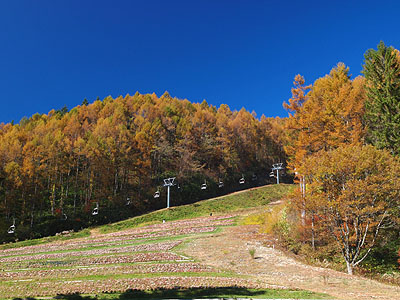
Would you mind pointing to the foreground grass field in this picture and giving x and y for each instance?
(138, 258)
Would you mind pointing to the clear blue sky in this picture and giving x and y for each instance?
(242, 53)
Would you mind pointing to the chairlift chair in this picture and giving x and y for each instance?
(96, 210)
(11, 230)
(63, 215)
(128, 201)
(271, 174)
(241, 180)
(220, 183)
(204, 185)
(157, 194)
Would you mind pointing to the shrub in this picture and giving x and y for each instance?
(252, 252)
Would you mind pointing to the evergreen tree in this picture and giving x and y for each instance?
(382, 73)
(85, 102)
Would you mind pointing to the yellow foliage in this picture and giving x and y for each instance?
(255, 219)
(269, 219)
(273, 218)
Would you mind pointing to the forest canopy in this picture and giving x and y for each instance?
(56, 167)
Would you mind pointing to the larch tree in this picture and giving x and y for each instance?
(293, 126)
(328, 116)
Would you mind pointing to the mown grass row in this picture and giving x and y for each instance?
(113, 245)
(80, 234)
(199, 293)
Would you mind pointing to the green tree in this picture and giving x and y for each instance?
(382, 73)
(85, 102)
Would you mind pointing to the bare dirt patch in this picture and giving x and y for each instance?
(229, 250)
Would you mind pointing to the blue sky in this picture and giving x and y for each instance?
(242, 53)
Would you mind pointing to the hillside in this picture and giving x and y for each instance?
(139, 254)
(56, 168)
(200, 251)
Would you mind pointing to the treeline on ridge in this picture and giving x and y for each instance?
(55, 167)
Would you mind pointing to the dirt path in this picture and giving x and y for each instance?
(230, 250)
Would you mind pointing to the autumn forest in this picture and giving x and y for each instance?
(56, 168)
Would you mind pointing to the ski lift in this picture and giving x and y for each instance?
(96, 210)
(128, 201)
(220, 183)
(254, 177)
(204, 185)
(11, 230)
(271, 174)
(157, 193)
(63, 215)
(241, 180)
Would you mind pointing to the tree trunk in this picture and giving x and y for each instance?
(312, 232)
(349, 268)
(52, 198)
(76, 183)
(303, 195)
(32, 214)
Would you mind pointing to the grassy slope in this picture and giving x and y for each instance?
(221, 205)
(224, 204)
(49, 239)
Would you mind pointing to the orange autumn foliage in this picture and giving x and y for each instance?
(325, 115)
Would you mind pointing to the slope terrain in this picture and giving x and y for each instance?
(139, 254)
(231, 248)
(200, 250)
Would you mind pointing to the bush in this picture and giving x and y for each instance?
(272, 218)
(252, 252)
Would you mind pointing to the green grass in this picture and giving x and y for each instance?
(45, 240)
(225, 204)
(114, 245)
(229, 292)
(145, 275)
(100, 266)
